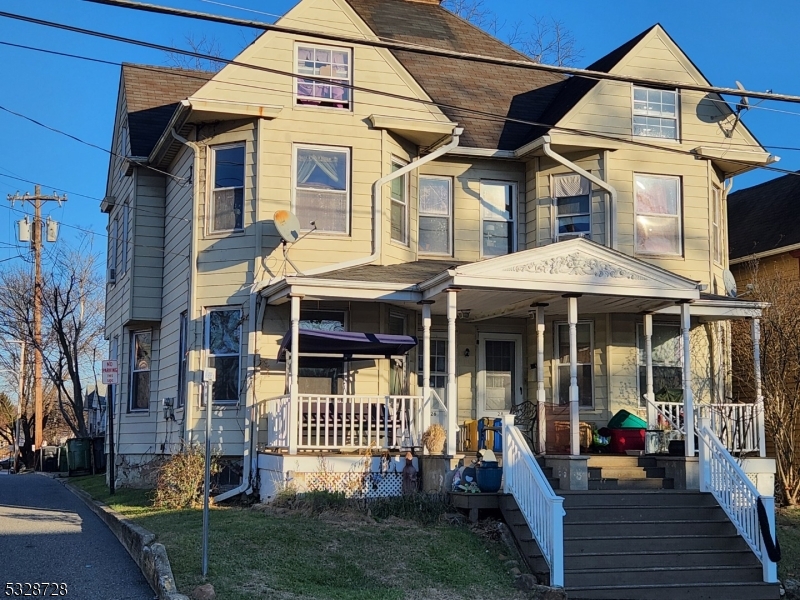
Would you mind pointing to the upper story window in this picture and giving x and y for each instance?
(399, 193)
(497, 217)
(227, 196)
(126, 210)
(655, 113)
(572, 198)
(223, 332)
(322, 188)
(141, 357)
(658, 215)
(435, 215)
(717, 230)
(113, 241)
(332, 72)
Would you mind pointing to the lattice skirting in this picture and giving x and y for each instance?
(352, 485)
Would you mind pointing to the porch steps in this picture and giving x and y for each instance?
(629, 544)
(612, 472)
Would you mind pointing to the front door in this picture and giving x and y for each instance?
(499, 373)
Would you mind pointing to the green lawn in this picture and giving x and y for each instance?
(332, 556)
(788, 521)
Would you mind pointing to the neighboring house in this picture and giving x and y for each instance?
(572, 269)
(94, 406)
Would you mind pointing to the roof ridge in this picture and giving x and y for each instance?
(166, 68)
(763, 184)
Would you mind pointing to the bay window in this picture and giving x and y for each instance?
(399, 193)
(226, 210)
(572, 196)
(497, 217)
(658, 215)
(435, 215)
(322, 188)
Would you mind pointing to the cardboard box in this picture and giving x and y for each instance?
(558, 436)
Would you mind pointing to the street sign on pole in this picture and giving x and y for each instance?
(110, 372)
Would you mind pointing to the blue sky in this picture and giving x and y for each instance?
(757, 43)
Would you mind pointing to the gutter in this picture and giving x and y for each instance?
(611, 207)
(377, 206)
(764, 254)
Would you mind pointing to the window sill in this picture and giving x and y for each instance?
(433, 255)
(662, 256)
(215, 235)
(328, 109)
(397, 244)
(324, 234)
(139, 413)
(676, 141)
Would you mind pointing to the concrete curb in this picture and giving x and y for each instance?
(149, 555)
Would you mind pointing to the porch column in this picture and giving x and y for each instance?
(755, 332)
(294, 374)
(452, 391)
(574, 411)
(688, 399)
(427, 404)
(652, 415)
(540, 396)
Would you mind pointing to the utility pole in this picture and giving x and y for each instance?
(36, 245)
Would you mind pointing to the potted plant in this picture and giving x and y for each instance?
(433, 439)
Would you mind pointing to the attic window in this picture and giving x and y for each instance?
(655, 113)
(332, 73)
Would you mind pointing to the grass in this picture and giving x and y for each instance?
(333, 555)
(788, 521)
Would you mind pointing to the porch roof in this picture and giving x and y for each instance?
(347, 343)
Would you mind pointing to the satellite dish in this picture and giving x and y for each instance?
(744, 103)
(729, 282)
(288, 226)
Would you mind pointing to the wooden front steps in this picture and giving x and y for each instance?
(612, 472)
(647, 544)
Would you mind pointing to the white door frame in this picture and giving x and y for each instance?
(480, 401)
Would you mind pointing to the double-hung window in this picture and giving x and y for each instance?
(572, 197)
(655, 113)
(435, 215)
(331, 70)
(658, 215)
(113, 241)
(141, 357)
(585, 346)
(227, 195)
(126, 209)
(667, 359)
(717, 229)
(223, 332)
(399, 193)
(438, 364)
(322, 188)
(497, 217)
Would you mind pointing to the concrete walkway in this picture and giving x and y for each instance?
(48, 535)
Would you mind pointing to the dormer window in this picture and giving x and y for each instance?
(655, 113)
(331, 69)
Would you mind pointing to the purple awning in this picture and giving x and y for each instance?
(348, 343)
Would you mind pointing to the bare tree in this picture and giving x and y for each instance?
(72, 311)
(8, 417)
(545, 40)
(780, 370)
(208, 46)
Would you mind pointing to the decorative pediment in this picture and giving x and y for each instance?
(576, 263)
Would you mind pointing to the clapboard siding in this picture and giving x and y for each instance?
(147, 222)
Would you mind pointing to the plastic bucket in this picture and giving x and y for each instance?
(489, 478)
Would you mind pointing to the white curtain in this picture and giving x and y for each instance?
(566, 186)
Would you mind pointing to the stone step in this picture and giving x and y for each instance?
(661, 558)
(621, 529)
(618, 460)
(679, 591)
(585, 543)
(627, 473)
(590, 514)
(658, 497)
(628, 575)
(554, 482)
(631, 484)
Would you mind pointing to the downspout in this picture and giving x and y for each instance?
(611, 207)
(190, 309)
(377, 206)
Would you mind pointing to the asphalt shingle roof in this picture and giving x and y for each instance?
(764, 217)
(152, 94)
(410, 273)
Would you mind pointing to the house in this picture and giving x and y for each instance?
(94, 407)
(472, 239)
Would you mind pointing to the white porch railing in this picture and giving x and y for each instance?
(721, 475)
(276, 411)
(542, 509)
(739, 426)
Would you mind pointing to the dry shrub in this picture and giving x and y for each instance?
(434, 438)
(180, 479)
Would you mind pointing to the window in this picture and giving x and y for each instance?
(497, 217)
(141, 356)
(658, 215)
(126, 209)
(655, 113)
(438, 367)
(331, 70)
(399, 193)
(322, 188)
(585, 345)
(223, 331)
(572, 196)
(322, 375)
(716, 224)
(667, 359)
(183, 354)
(435, 215)
(112, 250)
(227, 196)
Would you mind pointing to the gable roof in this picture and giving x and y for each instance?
(518, 93)
(764, 217)
(152, 94)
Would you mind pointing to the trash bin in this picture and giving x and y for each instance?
(79, 455)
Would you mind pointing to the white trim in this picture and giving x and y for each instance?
(512, 221)
(207, 310)
(556, 363)
(678, 217)
(450, 215)
(764, 254)
(516, 384)
(396, 160)
(211, 162)
(675, 91)
(348, 185)
(296, 98)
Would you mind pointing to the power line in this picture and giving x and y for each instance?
(432, 51)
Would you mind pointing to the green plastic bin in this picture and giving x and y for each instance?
(79, 454)
(625, 420)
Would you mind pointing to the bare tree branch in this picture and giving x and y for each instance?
(201, 45)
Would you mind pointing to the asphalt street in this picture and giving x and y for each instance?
(48, 535)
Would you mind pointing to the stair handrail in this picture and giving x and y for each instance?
(738, 496)
(539, 505)
(666, 416)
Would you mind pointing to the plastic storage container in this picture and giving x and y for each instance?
(623, 440)
(489, 477)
